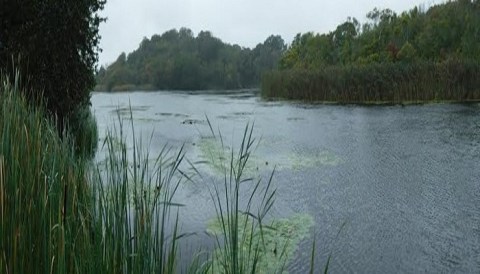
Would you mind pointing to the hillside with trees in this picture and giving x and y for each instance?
(418, 55)
(179, 60)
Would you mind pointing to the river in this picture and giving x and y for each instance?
(400, 186)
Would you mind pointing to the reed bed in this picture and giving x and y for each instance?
(61, 213)
(393, 83)
(43, 192)
(241, 244)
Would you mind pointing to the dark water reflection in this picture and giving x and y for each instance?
(404, 180)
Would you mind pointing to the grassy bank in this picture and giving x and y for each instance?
(61, 213)
(387, 83)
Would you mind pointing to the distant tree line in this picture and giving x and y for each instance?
(177, 60)
(391, 57)
(450, 30)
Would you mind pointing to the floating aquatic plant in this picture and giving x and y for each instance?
(280, 239)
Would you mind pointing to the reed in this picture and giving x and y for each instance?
(392, 83)
(240, 242)
(82, 127)
(43, 191)
(135, 217)
(61, 213)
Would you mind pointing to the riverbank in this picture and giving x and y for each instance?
(389, 83)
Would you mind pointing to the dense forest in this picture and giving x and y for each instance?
(177, 60)
(420, 54)
(450, 30)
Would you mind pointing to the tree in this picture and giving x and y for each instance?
(55, 45)
(407, 53)
(177, 60)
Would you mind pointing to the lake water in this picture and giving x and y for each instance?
(404, 182)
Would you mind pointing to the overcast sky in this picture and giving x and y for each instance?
(242, 22)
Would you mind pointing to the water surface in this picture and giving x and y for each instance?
(404, 181)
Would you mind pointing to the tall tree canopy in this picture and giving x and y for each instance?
(449, 30)
(180, 61)
(55, 45)
(417, 56)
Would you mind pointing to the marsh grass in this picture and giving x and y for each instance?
(61, 213)
(242, 229)
(136, 215)
(84, 132)
(238, 234)
(43, 191)
(388, 83)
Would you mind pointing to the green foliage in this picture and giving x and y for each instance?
(177, 60)
(407, 53)
(416, 56)
(240, 230)
(43, 192)
(83, 128)
(134, 223)
(448, 30)
(279, 241)
(60, 214)
(54, 44)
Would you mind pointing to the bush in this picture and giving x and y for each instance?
(56, 43)
(84, 132)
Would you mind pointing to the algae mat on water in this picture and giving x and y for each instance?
(277, 242)
(217, 156)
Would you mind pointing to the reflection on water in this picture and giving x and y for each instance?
(405, 181)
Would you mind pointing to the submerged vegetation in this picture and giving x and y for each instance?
(417, 56)
(61, 213)
(214, 153)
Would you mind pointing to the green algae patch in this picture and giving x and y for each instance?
(217, 157)
(214, 155)
(277, 242)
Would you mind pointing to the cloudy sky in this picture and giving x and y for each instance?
(242, 22)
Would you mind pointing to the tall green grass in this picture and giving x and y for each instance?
(43, 192)
(61, 213)
(83, 130)
(134, 214)
(241, 223)
(451, 80)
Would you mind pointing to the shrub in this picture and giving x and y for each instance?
(84, 132)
